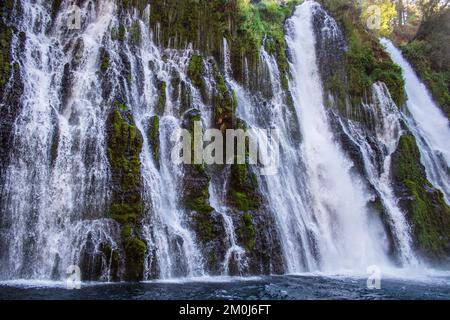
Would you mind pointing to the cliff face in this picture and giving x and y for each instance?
(122, 88)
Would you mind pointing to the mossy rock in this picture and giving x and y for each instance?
(135, 251)
(247, 231)
(153, 138)
(104, 60)
(427, 211)
(224, 102)
(136, 33)
(124, 147)
(196, 71)
(6, 34)
(112, 258)
(161, 87)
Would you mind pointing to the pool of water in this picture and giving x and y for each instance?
(291, 287)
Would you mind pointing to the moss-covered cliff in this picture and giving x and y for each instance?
(124, 148)
(427, 211)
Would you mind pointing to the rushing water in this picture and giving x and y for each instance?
(257, 288)
(428, 124)
(337, 198)
(57, 186)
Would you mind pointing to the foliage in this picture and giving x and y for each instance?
(366, 61)
(429, 214)
(153, 137)
(387, 11)
(264, 21)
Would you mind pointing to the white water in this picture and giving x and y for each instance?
(165, 229)
(46, 202)
(318, 203)
(387, 133)
(428, 124)
(347, 238)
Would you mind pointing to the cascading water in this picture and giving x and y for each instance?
(58, 173)
(57, 190)
(428, 124)
(56, 193)
(387, 132)
(284, 189)
(175, 251)
(337, 199)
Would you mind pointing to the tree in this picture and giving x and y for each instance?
(430, 8)
(379, 15)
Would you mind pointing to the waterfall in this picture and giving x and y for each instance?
(427, 123)
(316, 212)
(337, 198)
(58, 172)
(384, 140)
(174, 248)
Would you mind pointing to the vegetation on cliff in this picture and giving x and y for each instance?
(245, 25)
(365, 60)
(429, 54)
(427, 211)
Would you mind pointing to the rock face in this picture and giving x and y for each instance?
(124, 147)
(426, 208)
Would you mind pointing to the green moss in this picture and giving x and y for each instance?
(135, 250)
(196, 70)
(365, 68)
(243, 194)
(153, 136)
(200, 202)
(204, 226)
(202, 23)
(120, 106)
(429, 214)
(124, 147)
(264, 20)
(212, 258)
(122, 32)
(205, 23)
(225, 103)
(162, 97)
(113, 258)
(241, 201)
(135, 33)
(105, 63)
(6, 34)
(248, 231)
